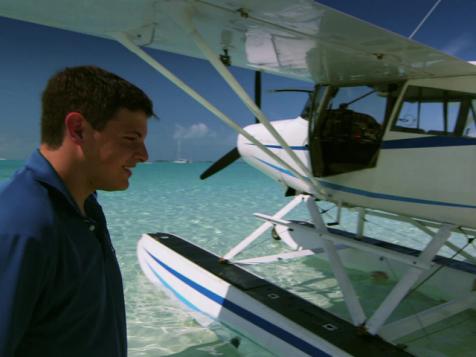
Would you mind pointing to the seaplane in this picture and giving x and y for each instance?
(388, 131)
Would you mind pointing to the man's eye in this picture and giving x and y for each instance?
(129, 138)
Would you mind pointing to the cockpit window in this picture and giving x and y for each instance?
(346, 134)
(306, 112)
(436, 112)
(470, 121)
(362, 99)
(313, 101)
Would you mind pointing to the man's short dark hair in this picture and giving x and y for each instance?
(94, 92)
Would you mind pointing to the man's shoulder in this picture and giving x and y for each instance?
(25, 205)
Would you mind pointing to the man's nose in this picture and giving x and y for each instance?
(142, 153)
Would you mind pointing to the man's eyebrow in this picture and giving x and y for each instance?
(134, 132)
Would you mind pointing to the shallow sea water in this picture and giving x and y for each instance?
(216, 214)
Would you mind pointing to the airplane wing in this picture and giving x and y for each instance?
(295, 38)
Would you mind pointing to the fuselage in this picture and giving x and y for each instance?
(411, 169)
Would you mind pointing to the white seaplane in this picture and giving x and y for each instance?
(389, 130)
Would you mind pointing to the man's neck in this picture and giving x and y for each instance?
(69, 170)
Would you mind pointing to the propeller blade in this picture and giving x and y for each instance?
(221, 163)
(233, 155)
(257, 91)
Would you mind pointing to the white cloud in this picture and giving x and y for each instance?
(194, 131)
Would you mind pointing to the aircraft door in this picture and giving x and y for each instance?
(346, 131)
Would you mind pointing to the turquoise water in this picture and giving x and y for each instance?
(215, 214)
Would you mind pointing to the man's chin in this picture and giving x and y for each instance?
(116, 187)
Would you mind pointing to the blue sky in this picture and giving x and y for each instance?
(31, 54)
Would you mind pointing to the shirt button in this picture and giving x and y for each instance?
(92, 227)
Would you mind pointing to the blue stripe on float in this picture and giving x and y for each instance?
(243, 313)
(428, 142)
(175, 292)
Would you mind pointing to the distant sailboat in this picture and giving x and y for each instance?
(180, 160)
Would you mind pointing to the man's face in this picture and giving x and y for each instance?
(112, 152)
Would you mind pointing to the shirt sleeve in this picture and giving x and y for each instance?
(23, 262)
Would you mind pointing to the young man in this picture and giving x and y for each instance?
(60, 286)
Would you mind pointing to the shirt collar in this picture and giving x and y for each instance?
(45, 173)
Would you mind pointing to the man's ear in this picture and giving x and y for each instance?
(74, 124)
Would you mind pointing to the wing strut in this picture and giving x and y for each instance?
(126, 42)
(241, 93)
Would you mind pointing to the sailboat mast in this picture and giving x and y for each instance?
(179, 149)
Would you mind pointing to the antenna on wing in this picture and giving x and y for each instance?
(424, 19)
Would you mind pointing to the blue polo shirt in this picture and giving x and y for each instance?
(61, 289)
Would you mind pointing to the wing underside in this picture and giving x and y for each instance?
(300, 39)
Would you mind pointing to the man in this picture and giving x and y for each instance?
(60, 286)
